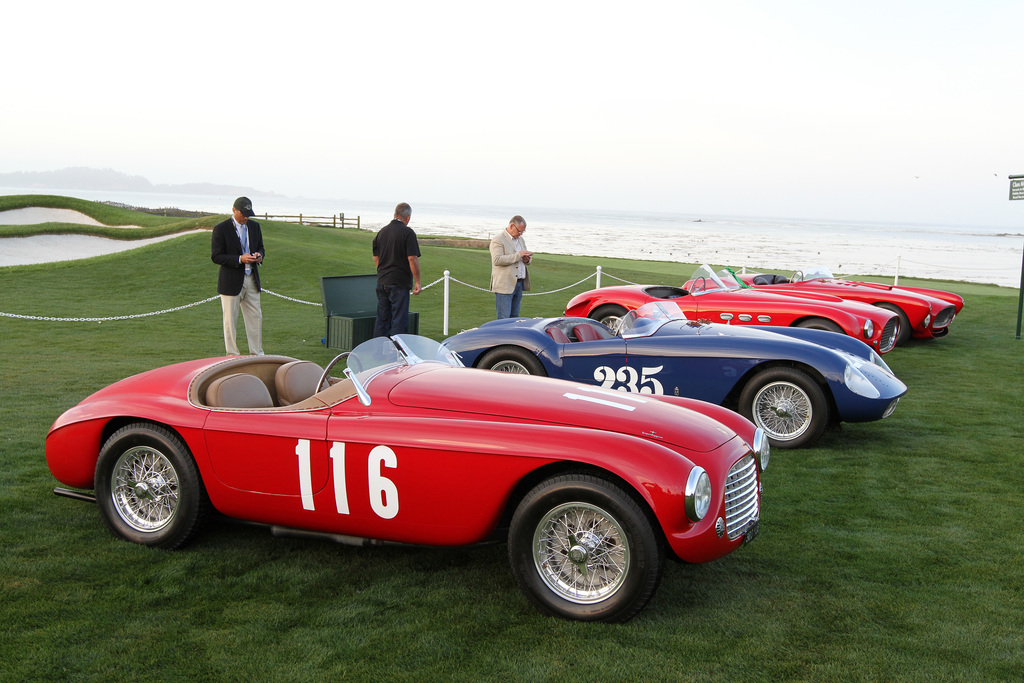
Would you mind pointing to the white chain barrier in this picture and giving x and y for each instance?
(113, 317)
(288, 298)
(446, 278)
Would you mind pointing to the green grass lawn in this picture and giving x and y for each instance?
(890, 551)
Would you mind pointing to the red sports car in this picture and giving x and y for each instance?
(592, 488)
(707, 296)
(924, 313)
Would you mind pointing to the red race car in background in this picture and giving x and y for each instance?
(591, 488)
(707, 296)
(924, 313)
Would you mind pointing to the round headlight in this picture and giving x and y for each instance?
(869, 329)
(698, 494)
(762, 449)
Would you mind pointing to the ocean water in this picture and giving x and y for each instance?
(967, 253)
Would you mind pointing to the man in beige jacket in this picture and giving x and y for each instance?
(509, 275)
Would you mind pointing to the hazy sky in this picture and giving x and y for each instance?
(887, 110)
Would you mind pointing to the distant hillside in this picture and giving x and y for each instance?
(80, 178)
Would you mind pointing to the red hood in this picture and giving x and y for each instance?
(522, 398)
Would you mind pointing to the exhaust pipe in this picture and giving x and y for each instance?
(76, 495)
(287, 532)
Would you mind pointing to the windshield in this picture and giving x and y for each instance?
(706, 280)
(731, 280)
(649, 318)
(812, 273)
(403, 349)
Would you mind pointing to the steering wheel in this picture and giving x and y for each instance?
(698, 285)
(327, 371)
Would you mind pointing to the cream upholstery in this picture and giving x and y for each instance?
(239, 390)
(296, 381)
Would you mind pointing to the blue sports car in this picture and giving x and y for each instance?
(791, 382)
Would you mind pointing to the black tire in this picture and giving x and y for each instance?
(788, 405)
(820, 324)
(148, 487)
(579, 527)
(609, 315)
(513, 359)
(903, 336)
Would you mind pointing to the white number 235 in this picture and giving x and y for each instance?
(629, 380)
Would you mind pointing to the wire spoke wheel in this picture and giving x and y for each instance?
(782, 410)
(581, 552)
(144, 486)
(148, 488)
(787, 404)
(512, 359)
(609, 315)
(583, 548)
(514, 367)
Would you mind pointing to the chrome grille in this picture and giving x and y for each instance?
(944, 317)
(888, 339)
(741, 505)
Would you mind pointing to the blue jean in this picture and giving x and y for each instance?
(392, 311)
(507, 305)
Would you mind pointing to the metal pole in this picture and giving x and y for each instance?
(599, 277)
(445, 331)
(1020, 294)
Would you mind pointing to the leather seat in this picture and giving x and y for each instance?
(296, 381)
(770, 279)
(239, 390)
(557, 335)
(587, 333)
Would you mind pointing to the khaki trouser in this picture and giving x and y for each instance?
(248, 300)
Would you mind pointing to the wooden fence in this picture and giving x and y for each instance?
(337, 221)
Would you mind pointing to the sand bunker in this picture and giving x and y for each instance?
(34, 214)
(20, 251)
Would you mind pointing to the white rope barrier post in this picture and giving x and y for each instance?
(896, 280)
(446, 291)
(599, 277)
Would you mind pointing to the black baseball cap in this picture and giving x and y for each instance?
(244, 205)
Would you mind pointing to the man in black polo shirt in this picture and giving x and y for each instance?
(396, 253)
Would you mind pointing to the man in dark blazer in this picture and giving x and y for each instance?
(237, 247)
